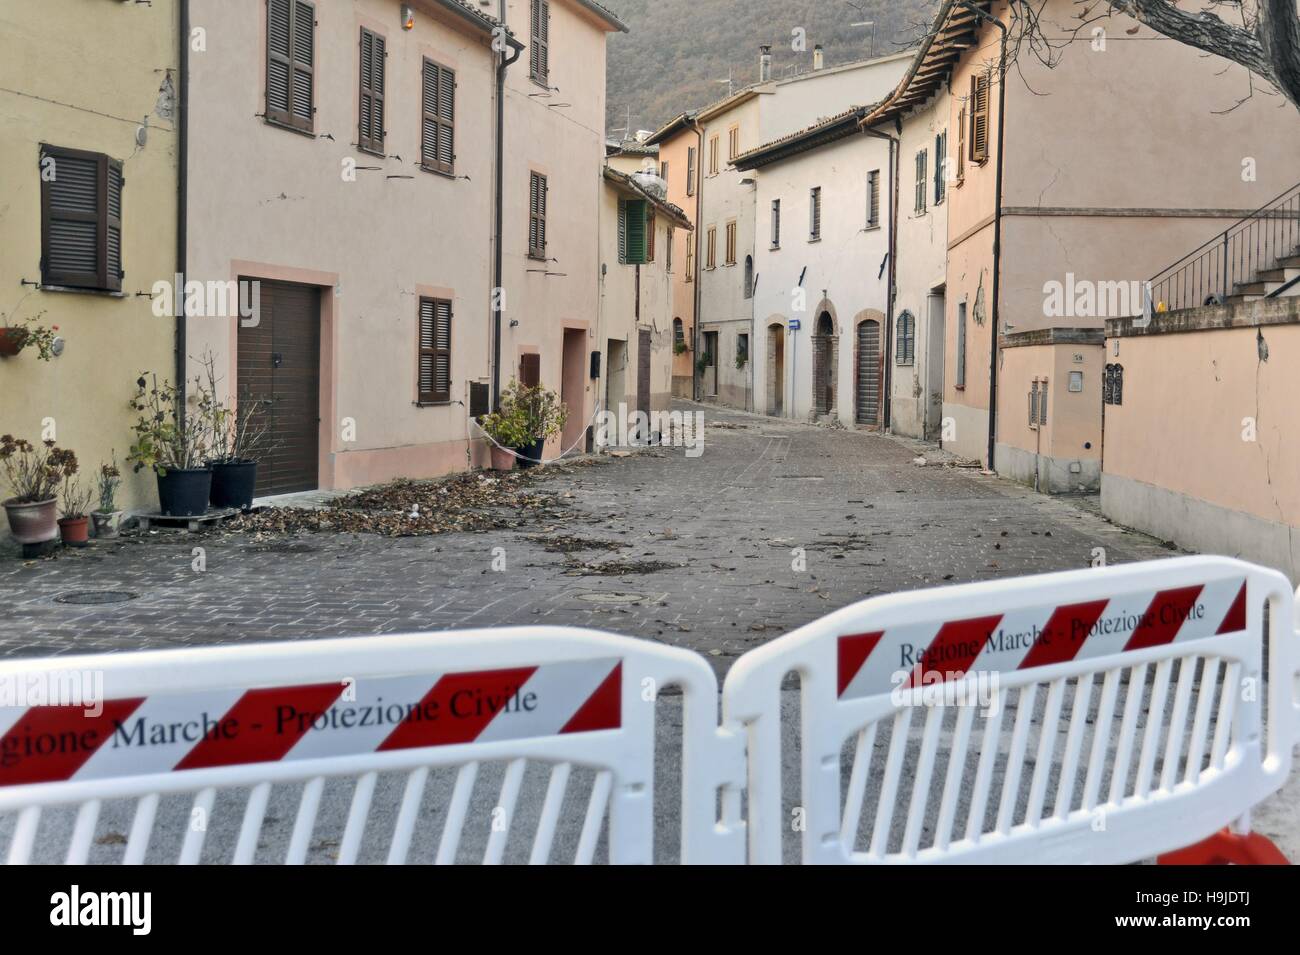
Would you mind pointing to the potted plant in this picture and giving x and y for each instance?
(74, 525)
(107, 519)
(14, 338)
(680, 348)
(506, 429)
(33, 474)
(173, 445)
(545, 416)
(238, 440)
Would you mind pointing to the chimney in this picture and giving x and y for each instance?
(819, 58)
(764, 64)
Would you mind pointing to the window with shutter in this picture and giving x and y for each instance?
(435, 351)
(961, 345)
(905, 343)
(815, 214)
(733, 142)
(370, 127)
(539, 52)
(940, 164)
(668, 250)
(650, 237)
(961, 147)
(776, 223)
(634, 246)
(921, 181)
(731, 243)
(713, 156)
(690, 257)
(690, 170)
(537, 216)
(873, 199)
(81, 219)
(438, 135)
(711, 260)
(530, 370)
(290, 63)
(979, 118)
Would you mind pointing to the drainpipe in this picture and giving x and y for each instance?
(699, 256)
(895, 150)
(503, 63)
(182, 197)
(996, 317)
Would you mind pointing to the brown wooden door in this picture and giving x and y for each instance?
(643, 371)
(279, 362)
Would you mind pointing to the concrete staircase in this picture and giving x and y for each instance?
(1281, 281)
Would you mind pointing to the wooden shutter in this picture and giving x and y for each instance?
(635, 245)
(690, 257)
(81, 219)
(940, 161)
(922, 180)
(649, 235)
(537, 216)
(438, 135)
(540, 50)
(530, 370)
(290, 62)
(815, 214)
(668, 249)
(370, 133)
(731, 243)
(435, 350)
(711, 260)
(873, 198)
(690, 170)
(776, 223)
(961, 145)
(979, 118)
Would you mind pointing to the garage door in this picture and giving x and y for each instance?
(279, 361)
(868, 404)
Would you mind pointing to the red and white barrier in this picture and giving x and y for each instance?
(1104, 715)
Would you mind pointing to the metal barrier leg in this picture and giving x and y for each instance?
(1226, 847)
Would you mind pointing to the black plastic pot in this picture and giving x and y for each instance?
(184, 493)
(531, 454)
(233, 483)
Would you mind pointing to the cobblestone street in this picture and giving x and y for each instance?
(697, 552)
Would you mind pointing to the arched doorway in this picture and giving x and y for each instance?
(867, 407)
(824, 342)
(776, 369)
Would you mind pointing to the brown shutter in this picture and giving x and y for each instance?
(437, 141)
(530, 370)
(537, 216)
(979, 125)
(435, 350)
(539, 53)
(290, 62)
(370, 135)
(961, 145)
(81, 219)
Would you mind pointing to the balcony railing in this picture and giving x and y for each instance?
(1233, 258)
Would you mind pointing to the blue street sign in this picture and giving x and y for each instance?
(795, 324)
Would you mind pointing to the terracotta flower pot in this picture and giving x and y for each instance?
(12, 341)
(75, 531)
(502, 460)
(108, 524)
(33, 523)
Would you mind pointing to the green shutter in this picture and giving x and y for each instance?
(635, 217)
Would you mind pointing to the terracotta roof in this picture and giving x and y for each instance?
(671, 128)
(834, 128)
(631, 148)
(673, 212)
(955, 29)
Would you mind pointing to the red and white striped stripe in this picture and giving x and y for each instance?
(1037, 636)
(226, 727)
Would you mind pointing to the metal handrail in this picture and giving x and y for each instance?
(1233, 257)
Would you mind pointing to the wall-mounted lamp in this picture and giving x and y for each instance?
(408, 17)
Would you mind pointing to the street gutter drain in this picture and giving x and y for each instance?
(613, 598)
(95, 597)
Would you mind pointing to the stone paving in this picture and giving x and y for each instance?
(697, 552)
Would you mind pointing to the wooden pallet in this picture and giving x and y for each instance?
(194, 524)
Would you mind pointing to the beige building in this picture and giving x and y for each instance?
(358, 196)
(1058, 213)
(553, 189)
(88, 132)
(638, 229)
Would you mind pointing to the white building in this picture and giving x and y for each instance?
(915, 354)
(729, 212)
(822, 272)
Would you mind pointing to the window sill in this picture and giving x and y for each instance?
(815, 238)
(73, 290)
(872, 228)
(378, 154)
(543, 81)
(309, 133)
(536, 257)
(438, 172)
(433, 404)
(904, 364)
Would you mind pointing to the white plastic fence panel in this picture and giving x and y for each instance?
(342, 723)
(1095, 716)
